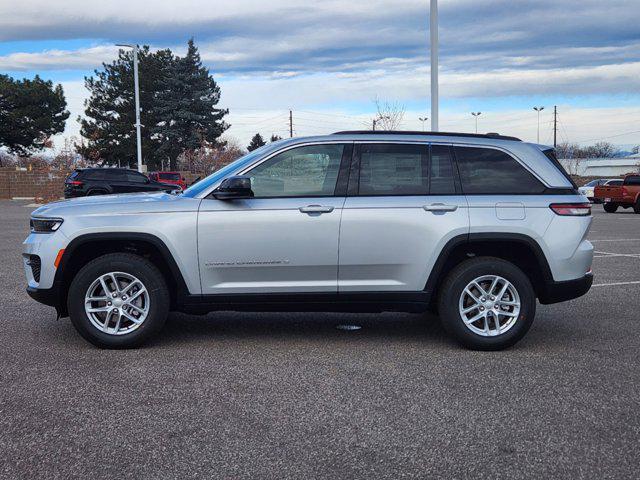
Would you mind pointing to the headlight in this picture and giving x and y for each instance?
(45, 225)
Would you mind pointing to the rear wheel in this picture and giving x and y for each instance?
(487, 303)
(118, 300)
(610, 207)
(636, 206)
(92, 193)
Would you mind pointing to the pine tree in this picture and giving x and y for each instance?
(186, 104)
(256, 142)
(275, 138)
(30, 112)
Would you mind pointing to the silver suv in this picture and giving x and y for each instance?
(473, 227)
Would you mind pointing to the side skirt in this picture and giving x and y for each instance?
(410, 302)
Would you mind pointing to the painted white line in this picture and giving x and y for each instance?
(608, 254)
(616, 240)
(615, 284)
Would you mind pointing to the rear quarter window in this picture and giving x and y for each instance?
(491, 171)
(632, 180)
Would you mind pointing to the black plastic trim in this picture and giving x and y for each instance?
(555, 292)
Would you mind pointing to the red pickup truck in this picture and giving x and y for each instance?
(625, 195)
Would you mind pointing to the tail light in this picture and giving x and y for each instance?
(625, 192)
(75, 183)
(571, 209)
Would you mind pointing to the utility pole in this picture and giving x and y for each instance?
(423, 119)
(290, 124)
(433, 30)
(538, 109)
(476, 115)
(136, 87)
(555, 125)
(373, 127)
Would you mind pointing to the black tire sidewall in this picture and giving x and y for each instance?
(610, 207)
(460, 277)
(135, 265)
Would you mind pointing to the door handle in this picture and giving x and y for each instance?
(440, 207)
(316, 209)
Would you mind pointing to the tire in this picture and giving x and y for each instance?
(93, 193)
(514, 323)
(152, 303)
(610, 207)
(636, 206)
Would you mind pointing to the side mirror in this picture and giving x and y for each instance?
(232, 188)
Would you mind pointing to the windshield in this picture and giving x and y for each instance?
(593, 183)
(218, 175)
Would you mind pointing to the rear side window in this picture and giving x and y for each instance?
(393, 169)
(632, 180)
(114, 175)
(490, 171)
(170, 176)
(94, 175)
(135, 177)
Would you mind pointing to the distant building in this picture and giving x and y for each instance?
(602, 167)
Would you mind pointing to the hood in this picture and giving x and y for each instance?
(125, 203)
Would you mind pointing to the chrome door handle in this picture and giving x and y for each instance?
(440, 207)
(316, 209)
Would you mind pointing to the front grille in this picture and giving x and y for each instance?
(35, 264)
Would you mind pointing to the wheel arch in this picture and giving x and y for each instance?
(85, 248)
(519, 249)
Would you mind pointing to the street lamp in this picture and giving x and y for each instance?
(423, 119)
(433, 31)
(136, 87)
(538, 109)
(476, 115)
(376, 120)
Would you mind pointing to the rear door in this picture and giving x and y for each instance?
(404, 204)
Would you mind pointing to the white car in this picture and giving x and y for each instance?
(478, 227)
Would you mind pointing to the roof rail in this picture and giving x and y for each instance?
(440, 134)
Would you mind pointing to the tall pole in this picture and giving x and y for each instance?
(433, 30)
(136, 94)
(373, 126)
(555, 125)
(136, 86)
(290, 123)
(538, 109)
(476, 115)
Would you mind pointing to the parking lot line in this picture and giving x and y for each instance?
(637, 282)
(609, 254)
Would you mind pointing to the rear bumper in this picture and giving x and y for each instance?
(555, 292)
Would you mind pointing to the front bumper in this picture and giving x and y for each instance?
(52, 297)
(555, 292)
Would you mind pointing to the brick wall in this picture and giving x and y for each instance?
(44, 185)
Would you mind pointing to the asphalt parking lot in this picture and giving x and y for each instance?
(248, 395)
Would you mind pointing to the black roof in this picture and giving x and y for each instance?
(440, 134)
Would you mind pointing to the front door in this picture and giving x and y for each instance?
(285, 239)
(403, 207)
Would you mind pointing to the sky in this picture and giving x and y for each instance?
(329, 60)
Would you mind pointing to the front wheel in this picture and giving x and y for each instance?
(610, 207)
(118, 300)
(487, 303)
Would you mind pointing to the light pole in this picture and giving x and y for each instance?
(136, 87)
(538, 109)
(423, 119)
(433, 30)
(476, 115)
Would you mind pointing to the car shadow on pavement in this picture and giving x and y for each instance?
(181, 328)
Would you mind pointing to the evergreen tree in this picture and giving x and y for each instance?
(30, 112)
(275, 138)
(256, 142)
(177, 102)
(186, 105)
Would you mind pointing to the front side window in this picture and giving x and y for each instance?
(393, 169)
(490, 171)
(134, 177)
(299, 172)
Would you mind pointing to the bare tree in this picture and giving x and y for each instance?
(389, 115)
